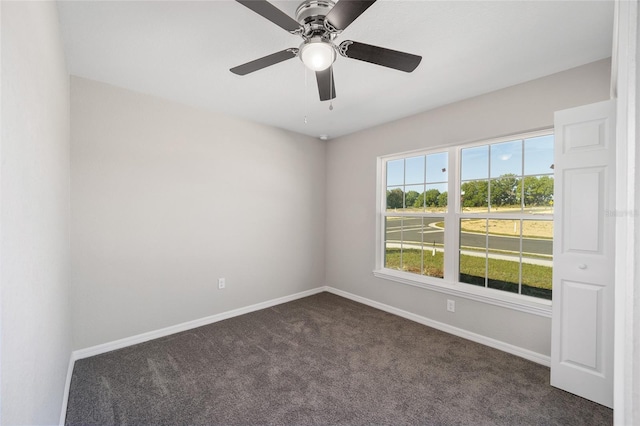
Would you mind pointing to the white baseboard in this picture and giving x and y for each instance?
(140, 338)
(67, 386)
(478, 338)
(144, 337)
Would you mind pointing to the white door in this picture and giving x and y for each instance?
(583, 248)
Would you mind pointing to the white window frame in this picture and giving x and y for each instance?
(450, 284)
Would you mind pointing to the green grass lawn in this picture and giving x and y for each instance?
(502, 274)
(411, 262)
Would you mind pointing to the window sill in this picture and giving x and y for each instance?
(485, 295)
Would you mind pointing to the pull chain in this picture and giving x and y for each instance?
(306, 92)
(332, 94)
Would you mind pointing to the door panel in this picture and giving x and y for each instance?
(583, 210)
(584, 135)
(580, 325)
(583, 273)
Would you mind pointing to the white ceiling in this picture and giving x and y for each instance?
(182, 50)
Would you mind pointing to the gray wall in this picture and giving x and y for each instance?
(34, 241)
(351, 202)
(167, 198)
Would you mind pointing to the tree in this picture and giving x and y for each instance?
(475, 193)
(504, 191)
(411, 198)
(395, 198)
(442, 199)
(538, 191)
(428, 198)
(431, 197)
(546, 189)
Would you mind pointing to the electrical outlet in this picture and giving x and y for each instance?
(451, 305)
(221, 283)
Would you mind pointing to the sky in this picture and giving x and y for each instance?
(533, 156)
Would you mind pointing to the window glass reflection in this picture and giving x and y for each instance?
(506, 159)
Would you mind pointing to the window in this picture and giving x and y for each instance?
(471, 217)
(416, 197)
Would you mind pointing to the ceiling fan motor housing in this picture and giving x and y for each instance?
(310, 15)
(317, 51)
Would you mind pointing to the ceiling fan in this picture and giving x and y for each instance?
(319, 22)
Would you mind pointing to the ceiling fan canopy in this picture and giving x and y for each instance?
(319, 22)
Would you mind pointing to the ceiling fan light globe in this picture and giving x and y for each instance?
(317, 56)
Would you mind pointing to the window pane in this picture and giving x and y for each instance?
(473, 261)
(505, 194)
(475, 163)
(395, 172)
(412, 244)
(433, 247)
(435, 198)
(538, 194)
(415, 245)
(414, 170)
(393, 243)
(395, 198)
(474, 196)
(503, 271)
(506, 159)
(393, 230)
(538, 155)
(538, 237)
(537, 258)
(393, 256)
(414, 197)
(437, 167)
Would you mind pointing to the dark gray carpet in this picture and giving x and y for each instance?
(319, 360)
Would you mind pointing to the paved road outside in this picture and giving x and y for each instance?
(413, 233)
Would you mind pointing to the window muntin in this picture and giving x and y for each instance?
(502, 226)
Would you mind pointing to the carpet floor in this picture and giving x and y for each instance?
(323, 359)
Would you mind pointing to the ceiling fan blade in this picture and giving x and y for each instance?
(264, 62)
(379, 55)
(344, 13)
(272, 13)
(326, 86)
